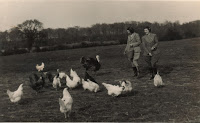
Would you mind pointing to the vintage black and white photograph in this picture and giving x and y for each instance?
(99, 61)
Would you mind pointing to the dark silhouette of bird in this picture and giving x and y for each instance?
(87, 76)
(49, 75)
(92, 64)
(37, 81)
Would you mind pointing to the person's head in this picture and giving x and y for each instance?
(147, 30)
(130, 30)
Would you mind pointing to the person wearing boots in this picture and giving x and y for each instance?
(132, 50)
(151, 51)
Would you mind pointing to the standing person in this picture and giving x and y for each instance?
(151, 51)
(132, 50)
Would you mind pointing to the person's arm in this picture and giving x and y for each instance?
(138, 41)
(156, 44)
(144, 47)
(126, 48)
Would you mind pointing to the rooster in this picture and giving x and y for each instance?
(40, 67)
(66, 103)
(16, 95)
(92, 64)
(70, 83)
(75, 76)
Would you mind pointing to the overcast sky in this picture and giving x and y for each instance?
(66, 13)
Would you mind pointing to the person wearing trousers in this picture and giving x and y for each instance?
(151, 51)
(132, 50)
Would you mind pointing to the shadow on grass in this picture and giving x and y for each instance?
(167, 69)
(161, 86)
(85, 108)
(132, 93)
(103, 73)
(144, 71)
(26, 101)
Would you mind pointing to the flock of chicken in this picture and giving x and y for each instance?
(37, 82)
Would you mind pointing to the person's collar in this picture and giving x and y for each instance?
(133, 34)
(148, 34)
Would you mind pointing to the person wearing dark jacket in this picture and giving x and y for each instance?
(132, 50)
(151, 51)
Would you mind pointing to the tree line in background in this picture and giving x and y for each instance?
(32, 34)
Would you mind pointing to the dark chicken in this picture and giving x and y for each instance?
(92, 64)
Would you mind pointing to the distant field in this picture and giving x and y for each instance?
(178, 101)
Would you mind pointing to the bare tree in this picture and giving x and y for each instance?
(31, 30)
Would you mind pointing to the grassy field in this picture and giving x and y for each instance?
(178, 100)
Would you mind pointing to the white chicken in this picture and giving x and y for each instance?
(77, 79)
(56, 82)
(72, 72)
(16, 95)
(61, 74)
(70, 83)
(113, 90)
(158, 80)
(66, 103)
(75, 76)
(89, 85)
(127, 85)
(40, 67)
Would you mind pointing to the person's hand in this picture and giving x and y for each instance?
(152, 48)
(150, 54)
